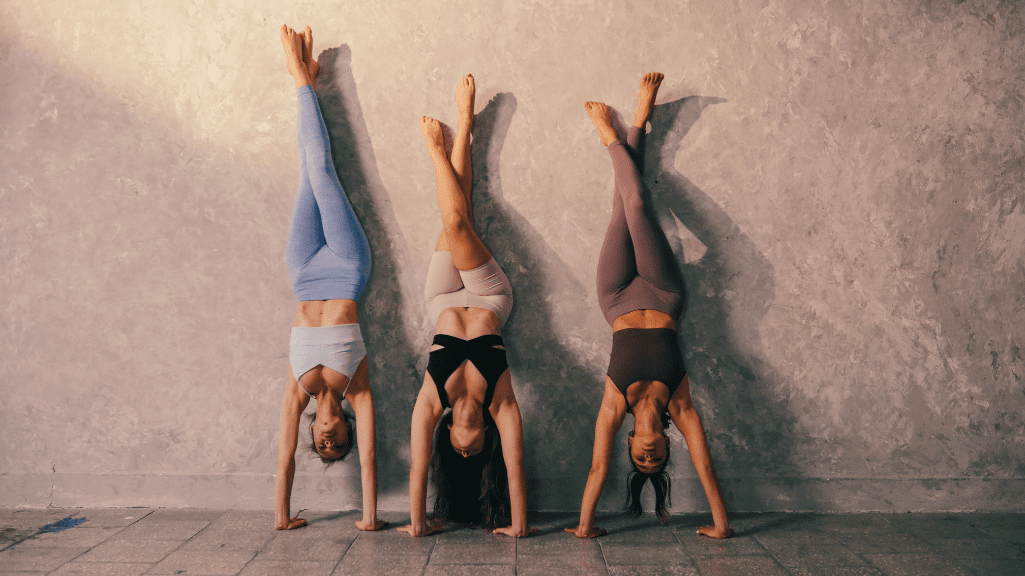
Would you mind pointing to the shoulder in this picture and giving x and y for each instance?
(613, 403)
(295, 397)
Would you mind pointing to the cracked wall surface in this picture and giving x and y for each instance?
(842, 183)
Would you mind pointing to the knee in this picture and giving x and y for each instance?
(458, 228)
(633, 200)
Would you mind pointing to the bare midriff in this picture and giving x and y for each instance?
(317, 313)
(644, 319)
(467, 323)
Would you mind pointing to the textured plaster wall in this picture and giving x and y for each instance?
(842, 181)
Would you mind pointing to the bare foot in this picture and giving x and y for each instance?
(293, 44)
(311, 65)
(465, 93)
(599, 114)
(715, 532)
(433, 135)
(646, 100)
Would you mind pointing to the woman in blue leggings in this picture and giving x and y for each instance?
(329, 263)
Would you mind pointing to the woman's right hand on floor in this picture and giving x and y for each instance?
(289, 524)
(421, 530)
(588, 532)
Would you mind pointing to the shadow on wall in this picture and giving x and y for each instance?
(386, 301)
(751, 431)
(548, 375)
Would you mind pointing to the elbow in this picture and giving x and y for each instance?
(598, 471)
(705, 470)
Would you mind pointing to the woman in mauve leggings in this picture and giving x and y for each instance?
(640, 291)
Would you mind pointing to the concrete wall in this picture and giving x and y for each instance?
(843, 182)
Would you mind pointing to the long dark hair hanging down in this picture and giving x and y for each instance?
(472, 490)
(660, 481)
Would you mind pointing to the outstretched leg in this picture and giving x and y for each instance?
(461, 161)
(645, 104)
(322, 214)
(652, 256)
(468, 252)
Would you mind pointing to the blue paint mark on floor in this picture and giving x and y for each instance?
(64, 524)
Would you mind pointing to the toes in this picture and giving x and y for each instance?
(307, 41)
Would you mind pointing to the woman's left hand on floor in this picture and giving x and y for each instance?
(372, 526)
(510, 531)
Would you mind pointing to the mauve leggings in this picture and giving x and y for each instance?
(636, 268)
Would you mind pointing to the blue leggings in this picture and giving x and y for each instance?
(328, 253)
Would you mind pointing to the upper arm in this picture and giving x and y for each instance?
(292, 407)
(426, 415)
(361, 398)
(610, 419)
(680, 403)
(506, 413)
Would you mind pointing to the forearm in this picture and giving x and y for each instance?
(713, 491)
(701, 457)
(592, 493)
(518, 499)
(418, 499)
(368, 466)
(283, 491)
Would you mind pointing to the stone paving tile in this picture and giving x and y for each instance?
(348, 517)
(376, 566)
(470, 570)
(244, 520)
(915, 565)
(37, 559)
(313, 546)
(227, 562)
(102, 569)
(641, 535)
(556, 544)
(178, 514)
(976, 548)
(1009, 527)
(390, 543)
(229, 540)
(131, 551)
(77, 537)
(935, 525)
(696, 544)
(109, 517)
(993, 566)
(11, 536)
(653, 571)
(31, 518)
(563, 566)
(474, 552)
(17, 524)
(647, 554)
(837, 571)
(460, 533)
(739, 566)
(823, 560)
(885, 543)
(796, 538)
(753, 523)
(849, 523)
(147, 529)
(287, 568)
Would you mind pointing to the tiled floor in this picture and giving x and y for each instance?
(128, 541)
